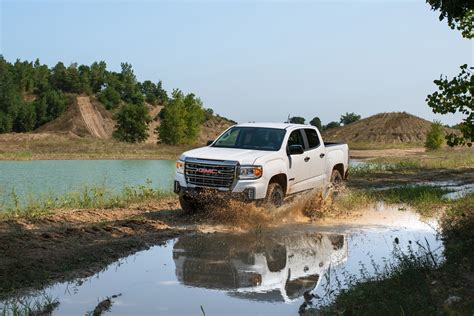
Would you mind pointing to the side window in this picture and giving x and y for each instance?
(313, 139)
(295, 138)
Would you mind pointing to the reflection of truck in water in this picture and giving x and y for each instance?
(266, 268)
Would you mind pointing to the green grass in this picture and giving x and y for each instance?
(353, 199)
(437, 159)
(17, 155)
(376, 146)
(423, 198)
(44, 305)
(89, 197)
(401, 287)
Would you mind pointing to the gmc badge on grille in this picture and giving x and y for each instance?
(207, 171)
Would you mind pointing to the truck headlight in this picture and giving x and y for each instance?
(180, 166)
(250, 172)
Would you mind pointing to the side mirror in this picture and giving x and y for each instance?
(296, 150)
(209, 142)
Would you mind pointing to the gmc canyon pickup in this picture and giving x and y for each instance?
(260, 161)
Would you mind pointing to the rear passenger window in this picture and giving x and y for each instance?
(313, 139)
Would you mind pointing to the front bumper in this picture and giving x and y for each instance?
(248, 189)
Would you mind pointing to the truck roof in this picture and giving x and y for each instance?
(273, 125)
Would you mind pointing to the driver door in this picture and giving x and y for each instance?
(297, 173)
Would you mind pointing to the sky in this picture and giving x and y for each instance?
(254, 60)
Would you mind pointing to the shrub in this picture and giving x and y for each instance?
(132, 123)
(435, 137)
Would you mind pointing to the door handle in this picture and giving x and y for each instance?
(322, 156)
(306, 159)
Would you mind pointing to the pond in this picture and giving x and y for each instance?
(56, 177)
(263, 272)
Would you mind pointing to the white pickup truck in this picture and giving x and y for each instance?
(260, 161)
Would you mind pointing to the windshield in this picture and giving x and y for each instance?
(257, 138)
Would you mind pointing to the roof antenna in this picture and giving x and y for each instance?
(288, 120)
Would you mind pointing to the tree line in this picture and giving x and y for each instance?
(32, 94)
(345, 119)
(456, 95)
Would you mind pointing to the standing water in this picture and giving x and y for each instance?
(263, 272)
(57, 177)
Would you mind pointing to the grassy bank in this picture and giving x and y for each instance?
(418, 283)
(442, 159)
(90, 197)
(424, 199)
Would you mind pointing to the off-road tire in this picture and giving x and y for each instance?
(188, 205)
(336, 177)
(276, 257)
(275, 195)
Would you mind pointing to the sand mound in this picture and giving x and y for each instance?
(389, 128)
(83, 118)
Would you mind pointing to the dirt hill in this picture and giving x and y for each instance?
(83, 118)
(388, 128)
(88, 117)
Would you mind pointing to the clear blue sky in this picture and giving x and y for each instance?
(254, 61)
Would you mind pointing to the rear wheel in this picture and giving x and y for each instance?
(275, 195)
(336, 177)
(331, 188)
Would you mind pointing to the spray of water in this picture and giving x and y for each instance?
(300, 208)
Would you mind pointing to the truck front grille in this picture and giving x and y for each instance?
(209, 175)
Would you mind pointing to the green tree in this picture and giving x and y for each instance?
(58, 77)
(148, 89)
(331, 125)
(172, 129)
(130, 90)
(97, 76)
(41, 77)
(194, 117)
(435, 137)
(458, 13)
(161, 94)
(349, 118)
(10, 98)
(316, 122)
(23, 76)
(456, 95)
(297, 120)
(132, 123)
(109, 97)
(25, 120)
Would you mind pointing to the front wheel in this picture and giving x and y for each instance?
(275, 195)
(189, 205)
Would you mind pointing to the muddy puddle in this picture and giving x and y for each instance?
(262, 271)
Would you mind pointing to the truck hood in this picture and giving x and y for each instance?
(243, 156)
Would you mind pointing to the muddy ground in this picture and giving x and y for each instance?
(71, 244)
